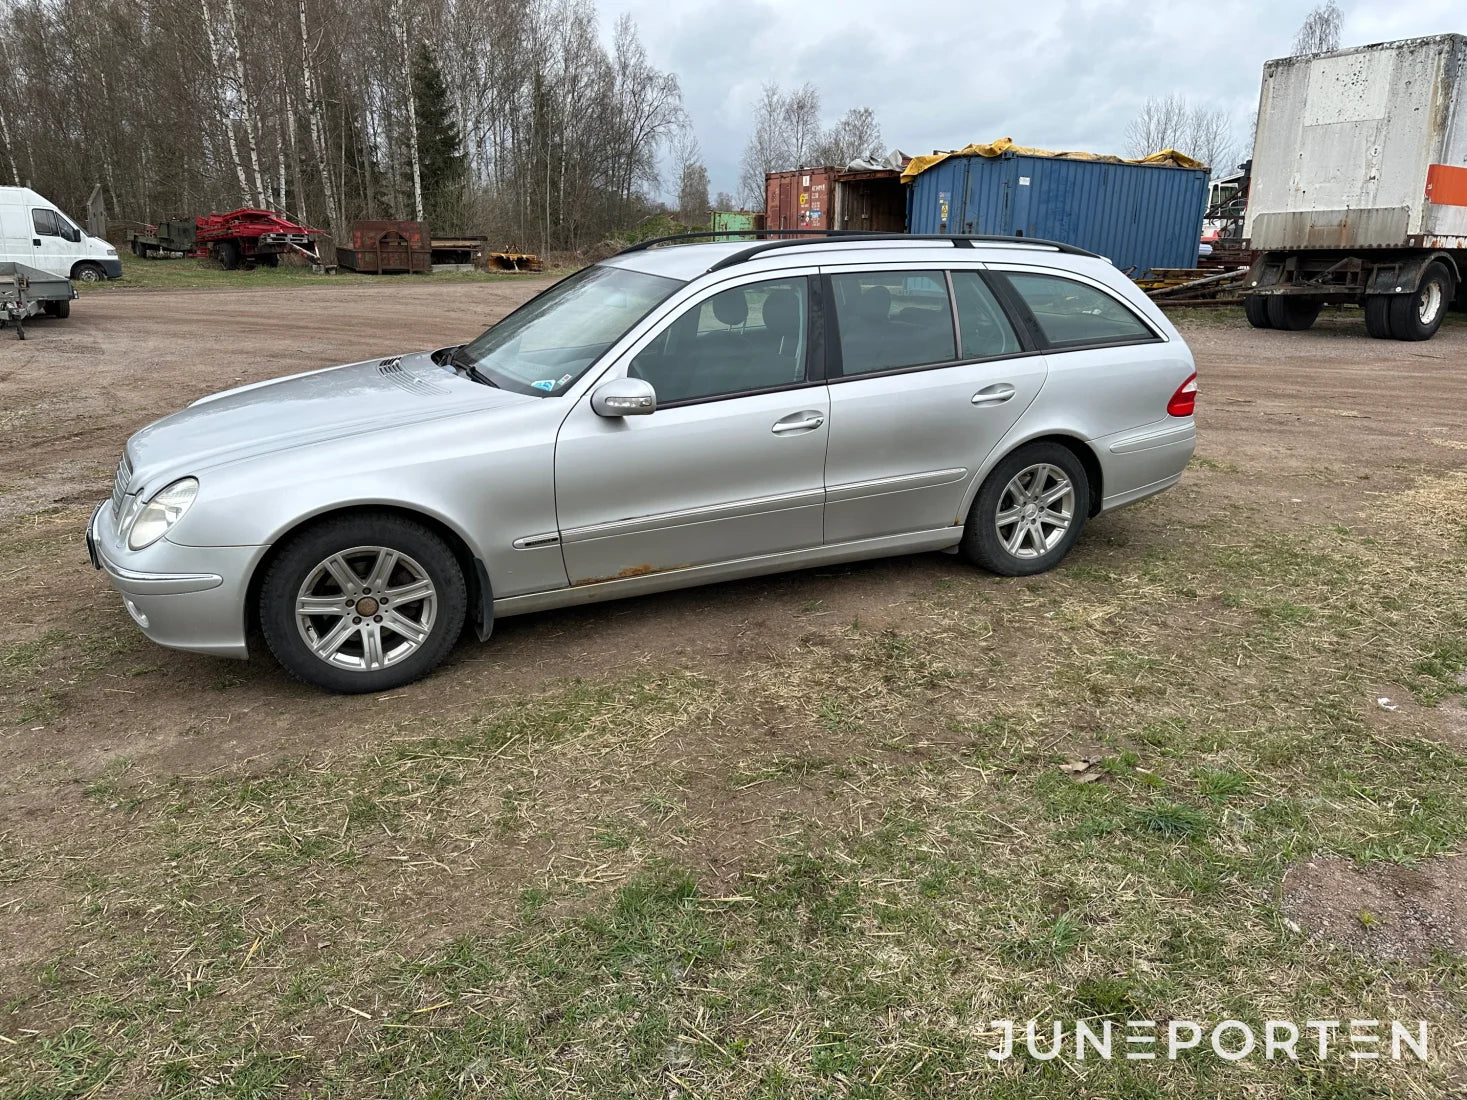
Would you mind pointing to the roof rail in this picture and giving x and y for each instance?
(786, 238)
(642, 246)
(845, 236)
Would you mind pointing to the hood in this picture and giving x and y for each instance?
(306, 409)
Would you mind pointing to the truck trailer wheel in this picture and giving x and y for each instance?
(59, 310)
(1288, 312)
(1418, 316)
(227, 253)
(1255, 308)
(1378, 316)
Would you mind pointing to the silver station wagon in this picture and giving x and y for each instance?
(675, 415)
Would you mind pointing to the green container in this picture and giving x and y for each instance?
(736, 225)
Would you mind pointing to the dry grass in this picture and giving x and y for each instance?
(817, 871)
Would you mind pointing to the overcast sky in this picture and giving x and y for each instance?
(1058, 74)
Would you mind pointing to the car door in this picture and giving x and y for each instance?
(52, 251)
(729, 466)
(927, 374)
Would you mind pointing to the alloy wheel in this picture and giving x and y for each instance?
(1035, 510)
(366, 608)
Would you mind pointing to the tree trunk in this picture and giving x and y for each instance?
(244, 184)
(317, 119)
(9, 150)
(399, 18)
(246, 114)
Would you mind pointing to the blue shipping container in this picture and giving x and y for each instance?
(1139, 216)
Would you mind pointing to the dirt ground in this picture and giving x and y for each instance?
(1337, 418)
(1320, 427)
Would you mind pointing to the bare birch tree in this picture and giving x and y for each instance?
(1320, 31)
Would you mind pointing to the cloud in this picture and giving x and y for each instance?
(1061, 74)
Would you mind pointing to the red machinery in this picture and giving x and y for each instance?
(246, 235)
(243, 236)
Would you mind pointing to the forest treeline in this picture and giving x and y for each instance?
(505, 117)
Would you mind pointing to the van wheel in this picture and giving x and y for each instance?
(363, 603)
(1291, 314)
(1418, 316)
(88, 273)
(1255, 308)
(1378, 316)
(1028, 513)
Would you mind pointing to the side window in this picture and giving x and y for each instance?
(45, 223)
(893, 319)
(1071, 313)
(984, 330)
(752, 337)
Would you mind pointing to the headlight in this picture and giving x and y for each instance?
(165, 509)
(112, 252)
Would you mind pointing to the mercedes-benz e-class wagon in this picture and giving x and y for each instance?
(672, 416)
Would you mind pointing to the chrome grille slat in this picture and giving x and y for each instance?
(119, 484)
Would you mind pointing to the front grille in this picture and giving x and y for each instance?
(119, 485)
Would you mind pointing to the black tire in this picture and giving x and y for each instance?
(1378, 316)
(138, 250)
(88, 273)
(982, 544)
(1255, 308)
(301, 561)
(227, 253)
(1418, 316)
(1291, 314)
(59, 310)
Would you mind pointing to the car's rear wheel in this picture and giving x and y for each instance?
(363, 603)
(1255, 308)
(1029, 511)
(1290, 313)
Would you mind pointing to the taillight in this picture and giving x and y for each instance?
(1184, 401)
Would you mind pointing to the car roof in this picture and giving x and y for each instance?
(686, 262)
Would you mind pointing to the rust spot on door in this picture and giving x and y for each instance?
(629, 572)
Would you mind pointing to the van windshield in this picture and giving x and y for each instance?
(547, 343)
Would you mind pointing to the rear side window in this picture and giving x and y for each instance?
(1071, 314)
(893, 319)
(45, 223)
(983, 328)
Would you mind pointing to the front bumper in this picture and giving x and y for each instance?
(190, 597)
(113, 268)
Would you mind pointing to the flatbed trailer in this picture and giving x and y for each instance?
(242, 237)
(27, 292)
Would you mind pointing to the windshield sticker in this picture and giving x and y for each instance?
(564, 378)
(544, 384)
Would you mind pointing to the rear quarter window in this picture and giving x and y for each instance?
(1071, 314)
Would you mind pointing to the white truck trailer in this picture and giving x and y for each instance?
(1359, 187)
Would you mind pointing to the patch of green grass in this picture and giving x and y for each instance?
(205, 274)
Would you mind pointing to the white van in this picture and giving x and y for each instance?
(34, 232)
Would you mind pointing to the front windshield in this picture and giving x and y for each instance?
(547, 343)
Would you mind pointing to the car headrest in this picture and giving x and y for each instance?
(782, 312)
(875, 303)
(731, 307)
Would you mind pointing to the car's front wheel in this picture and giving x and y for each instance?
(363, 603)
(1029, 512)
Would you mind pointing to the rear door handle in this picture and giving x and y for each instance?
(798, 422)
(996, 394)
(36, 241)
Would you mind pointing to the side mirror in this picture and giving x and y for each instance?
(624, 397)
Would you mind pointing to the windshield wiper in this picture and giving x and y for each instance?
(469, 369)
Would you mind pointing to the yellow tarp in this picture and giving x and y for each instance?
(918, 165)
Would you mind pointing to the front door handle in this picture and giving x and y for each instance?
(996, 394)
(798, 422)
